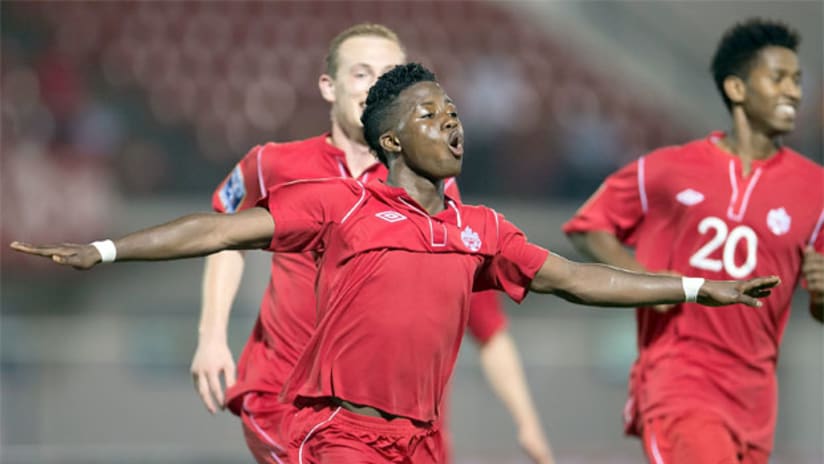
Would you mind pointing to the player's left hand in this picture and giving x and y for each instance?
(532, 441)
(719, 293)
(812, 268)
(68, 254)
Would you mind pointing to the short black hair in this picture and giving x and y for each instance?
(739, 47)
(381, 101)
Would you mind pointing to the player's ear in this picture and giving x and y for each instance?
(390, 142)
(326, 84)
(736, 89)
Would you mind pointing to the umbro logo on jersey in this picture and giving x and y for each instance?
(779, 221)
(471, 239)
(689, 197)
(391, 216)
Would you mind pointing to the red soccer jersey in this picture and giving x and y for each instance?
(689, 209)
(393, 288)
(287, 312)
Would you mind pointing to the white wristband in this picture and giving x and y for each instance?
(107, 250)
(691, 287)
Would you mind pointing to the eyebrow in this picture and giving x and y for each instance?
(361, 65)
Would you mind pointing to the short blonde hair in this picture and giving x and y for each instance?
(358, 30)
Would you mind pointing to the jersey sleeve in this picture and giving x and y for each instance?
(243, 188)
(514, 264)
(303, 212)
(486, 316)
(617, 207)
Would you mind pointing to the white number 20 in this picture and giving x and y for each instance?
(729, 240)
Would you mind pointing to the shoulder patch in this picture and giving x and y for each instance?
(233, 191)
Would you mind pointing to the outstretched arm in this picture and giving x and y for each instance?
(189, 236)
(502, 367)
(604, 247)
(602, 285)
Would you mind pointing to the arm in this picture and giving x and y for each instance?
(604, 247)
(189, 236)
(502, 367)
(221, 280)
(602, 285)
(812, 269)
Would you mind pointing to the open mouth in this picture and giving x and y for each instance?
(456, 144)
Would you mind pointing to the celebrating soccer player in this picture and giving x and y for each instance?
(729, 206)
(398, 262)
(356, 57)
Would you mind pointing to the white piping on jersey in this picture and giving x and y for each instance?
(734, 184)
(263, 191)
(448, 182)
(362, 195)
(308, 435)
(656, 453)
(262, 432)
(457, 211)
(816, 229)
(642, 191)
(346, 175)
(342, 169)
(431, 228)
(497, 226)
(357, 203)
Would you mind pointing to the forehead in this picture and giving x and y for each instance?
(423, 92)
(776, 58)
(371, 50)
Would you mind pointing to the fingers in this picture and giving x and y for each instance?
(202, 387)
(39, 250)
(761, 283)
(214, 386)
(749, 301)
(755, 289)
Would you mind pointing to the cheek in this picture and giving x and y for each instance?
(360, 87)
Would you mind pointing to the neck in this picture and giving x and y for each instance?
(426, 192)
(357, 154)
(746, 142)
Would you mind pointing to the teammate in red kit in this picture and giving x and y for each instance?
(729, 206)
(398, 262)
(357, 56)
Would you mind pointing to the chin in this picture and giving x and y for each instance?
(782, 129)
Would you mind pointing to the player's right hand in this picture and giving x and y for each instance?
(68, 254)
(212, 358)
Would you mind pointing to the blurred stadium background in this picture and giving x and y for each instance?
(117, 115)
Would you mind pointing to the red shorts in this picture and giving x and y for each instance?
(696, 438)
(263, 417)
(324, 434)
